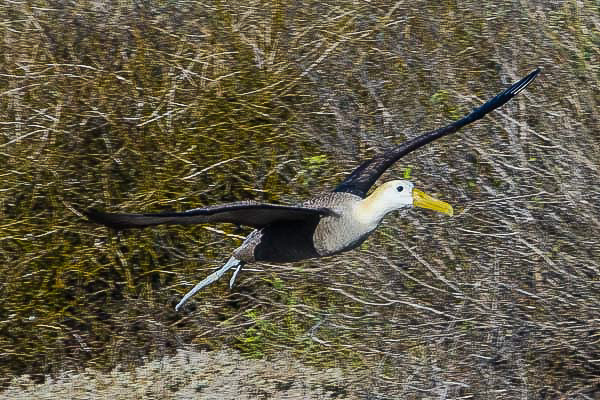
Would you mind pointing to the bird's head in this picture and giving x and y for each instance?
(398, 194)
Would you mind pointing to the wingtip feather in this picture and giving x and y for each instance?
(94, 215)
(523, 83)
(114, 221)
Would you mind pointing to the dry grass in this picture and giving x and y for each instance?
(187, 375)
(170, 105)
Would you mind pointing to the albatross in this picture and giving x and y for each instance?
(327, 224)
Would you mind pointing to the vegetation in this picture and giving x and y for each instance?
(149, 106)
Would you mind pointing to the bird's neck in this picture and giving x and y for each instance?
(371, 210)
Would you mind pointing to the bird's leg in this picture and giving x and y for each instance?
(232, 262)
(235, 274)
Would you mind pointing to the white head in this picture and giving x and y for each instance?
(395, 195)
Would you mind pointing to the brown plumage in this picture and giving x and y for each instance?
(324, 225)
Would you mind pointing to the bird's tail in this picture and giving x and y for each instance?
(215, 276)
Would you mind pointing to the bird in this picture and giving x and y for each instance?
(328, 223)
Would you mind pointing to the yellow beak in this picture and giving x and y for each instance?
(420, 199)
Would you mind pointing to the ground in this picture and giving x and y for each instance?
(217, 375)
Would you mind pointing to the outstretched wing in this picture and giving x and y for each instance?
(246, 213)
(364, 176)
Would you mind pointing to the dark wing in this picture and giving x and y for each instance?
(362, 178)
(251, 214)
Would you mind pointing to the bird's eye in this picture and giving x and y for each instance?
(400, 188)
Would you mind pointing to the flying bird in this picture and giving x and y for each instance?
(324, 225)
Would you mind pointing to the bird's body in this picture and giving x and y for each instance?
(344, 228)
(311, 237)
(327, 224)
